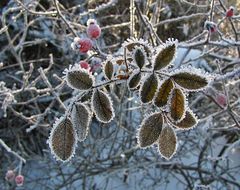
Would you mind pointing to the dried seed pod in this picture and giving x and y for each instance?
(63, 139)
(102, 106)
(148, 88)
(78, 78)
(188, 122)
(108, 69)
(166, 55)
(134, 80)
(167, 142)
(139, 57)
(150, 130)
(163, 93)
(177, 104)
(190, 81)
(81, 117)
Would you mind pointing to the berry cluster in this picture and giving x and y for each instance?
(11, 177)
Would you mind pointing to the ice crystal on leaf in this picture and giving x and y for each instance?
(134, 80)
(148, 88)
(165, 54)
(150, 130)
(78, 78)
(81, 117)
(139, 57)
(167, 142)
(102, 106)
(108, 69)
(63, 139)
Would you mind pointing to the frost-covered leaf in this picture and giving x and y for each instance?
(81, 117)
(165, 56)
(78, 78)
(177, 104)
(134, 80)
(139, 57)
(190, 81)
(63, 139)
(163, 93)
(132, 43)
(150, 130)
(188, 122)
(149, 88)
(167, 142)
(102, 106)
(108, 70)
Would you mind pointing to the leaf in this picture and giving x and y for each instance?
(150, 130)
(188, 122)
(177, 104)
(102, 106)
(163, 93)
(131, 46)
(63, 139)
(165, 56)
(81, 118)
(190, 81)
(79, 79)
(134, 80)
(139, 57)
(108, 70)
(149, 88)
(167, 142)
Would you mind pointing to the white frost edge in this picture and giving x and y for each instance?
(142, 123)
(193, 70)
(88, 121)
(187, 129)
(169, 105)
(159, 86)
(109, 59)
(111, 106)
(141, 48)
(140, 41)
(49, 141)
(135, 72)
(76, 68)
(176, 147)
(160, 48)
(144, 80)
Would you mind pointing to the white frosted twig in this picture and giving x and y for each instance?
(8, 149)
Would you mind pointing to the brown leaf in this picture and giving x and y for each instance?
(108, 70)
(134, 80)
(149, 88)
(163, 93)
(102, 106)
(188, 122)
(79, 79)
(177, 104)
(190, 81)
(150, 130)
(62, 140)
(165, 57)
(167, 143)
(81, 118)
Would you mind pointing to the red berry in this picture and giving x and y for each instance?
(10, 175)
(93, 31)
(85, 45)
(84, 65)
(221, 100)
(229, 12)
(19, 180)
